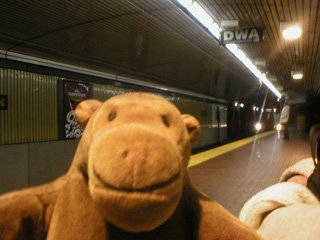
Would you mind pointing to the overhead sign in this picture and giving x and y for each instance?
(3, 102)
(244, 35)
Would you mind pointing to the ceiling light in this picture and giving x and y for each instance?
(215, 30)
(185, 3)
(290, 31)
(206, 20)
(297, 75)
(233, 48)
(202, 16)
(199, 13)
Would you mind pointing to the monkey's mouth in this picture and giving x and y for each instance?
(138, 190)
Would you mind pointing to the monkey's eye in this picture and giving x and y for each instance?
(165, 120)
(112, 116)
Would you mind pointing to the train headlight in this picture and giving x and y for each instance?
(258, 126)
(279, 127)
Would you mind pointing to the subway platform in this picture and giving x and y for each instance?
(233, 173)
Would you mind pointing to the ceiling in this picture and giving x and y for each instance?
(160, 42)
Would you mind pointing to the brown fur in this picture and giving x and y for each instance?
(128, 180)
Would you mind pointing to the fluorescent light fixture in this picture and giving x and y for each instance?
(186, 3)
(206, 20)
(215, 30)
(202, 16)
(199, 13)
(233, 48)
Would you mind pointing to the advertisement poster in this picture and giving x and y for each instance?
(74, 93)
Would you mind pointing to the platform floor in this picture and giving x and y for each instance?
(233, 177)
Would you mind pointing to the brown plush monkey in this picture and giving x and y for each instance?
(128, 180)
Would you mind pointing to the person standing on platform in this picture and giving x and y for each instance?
(284, 118)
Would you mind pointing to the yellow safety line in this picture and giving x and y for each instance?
(209, 154)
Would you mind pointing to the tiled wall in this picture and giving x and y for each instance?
(31, 164)
(32, 113)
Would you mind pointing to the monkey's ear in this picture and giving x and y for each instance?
(85, 109)
(193, 127)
